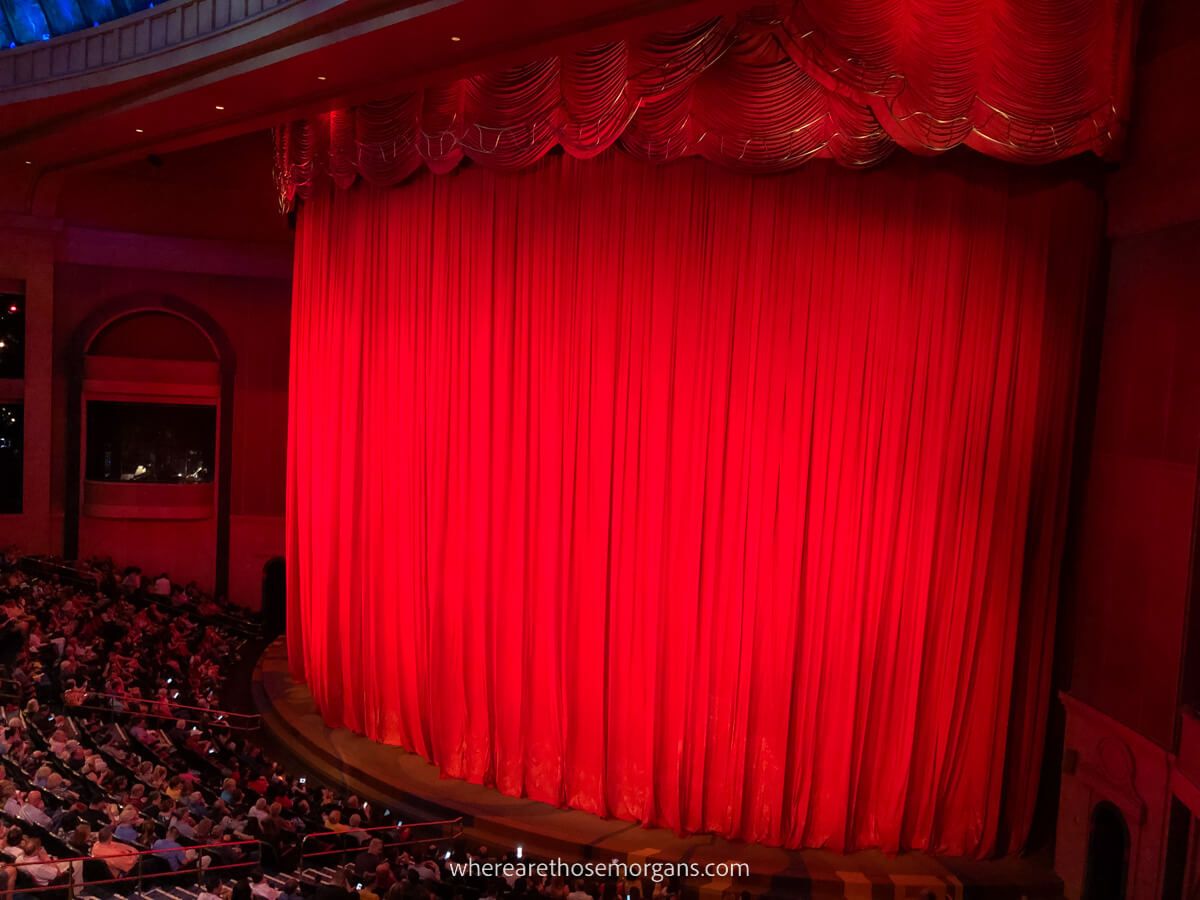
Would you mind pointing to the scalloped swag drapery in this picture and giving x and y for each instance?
(1025, 80)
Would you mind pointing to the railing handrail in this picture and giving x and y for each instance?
(84, 707)
(133, 851)
(395, 826)
(134, 698)
(387, 845)
(71, 863)
(76, 885)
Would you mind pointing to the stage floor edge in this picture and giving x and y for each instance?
(403, 781)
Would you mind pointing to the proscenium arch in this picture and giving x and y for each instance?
(108, 313)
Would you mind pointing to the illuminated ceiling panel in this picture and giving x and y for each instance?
(26, 21)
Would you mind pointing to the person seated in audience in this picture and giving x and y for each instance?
(74, 695)
(172, 851)
(260, 887)
(80, 839)
(95, 769)
(10, 801)
(58, 743)
(20, 752)
(35, 716)
(260, 811)
(121, 858)
(127, 825)
(34, 861)
(429, 870)
(354, 829)
(59, 788)
(33, 810)
(383, 878)
(183, 822)
(291, 890)
(131, 579)
(333, 821)
(369, 859)
(137, 795)
(335, 888)
(259, 783)
(14, 840)
(211, 889)
(196, 805)
(410, 887)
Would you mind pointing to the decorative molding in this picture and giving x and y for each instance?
(162, 253)
(1139, 743)
(1107, 764)
(1113, 777)
(158, 252)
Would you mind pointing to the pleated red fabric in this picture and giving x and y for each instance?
(1025, 80)
(722, 503)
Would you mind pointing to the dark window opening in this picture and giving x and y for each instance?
(160, 443)
(12, 447)
(12, 335)
(1179, 830)
(1108, 855)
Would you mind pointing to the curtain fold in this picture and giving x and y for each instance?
(721, 503)
(1030, 81)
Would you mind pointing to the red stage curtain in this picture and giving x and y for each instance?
(1026, 80)
(723, 503)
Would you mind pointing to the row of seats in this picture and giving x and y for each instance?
(116, 754)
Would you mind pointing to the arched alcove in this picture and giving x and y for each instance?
(149, 439)
(151, 401)
(1108, 854)
(153, 334)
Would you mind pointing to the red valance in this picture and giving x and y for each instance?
(1025, 80)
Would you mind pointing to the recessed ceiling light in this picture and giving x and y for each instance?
(220, 107)
(29, 162)
(320, 78)
(455, 38)
(140, 130)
